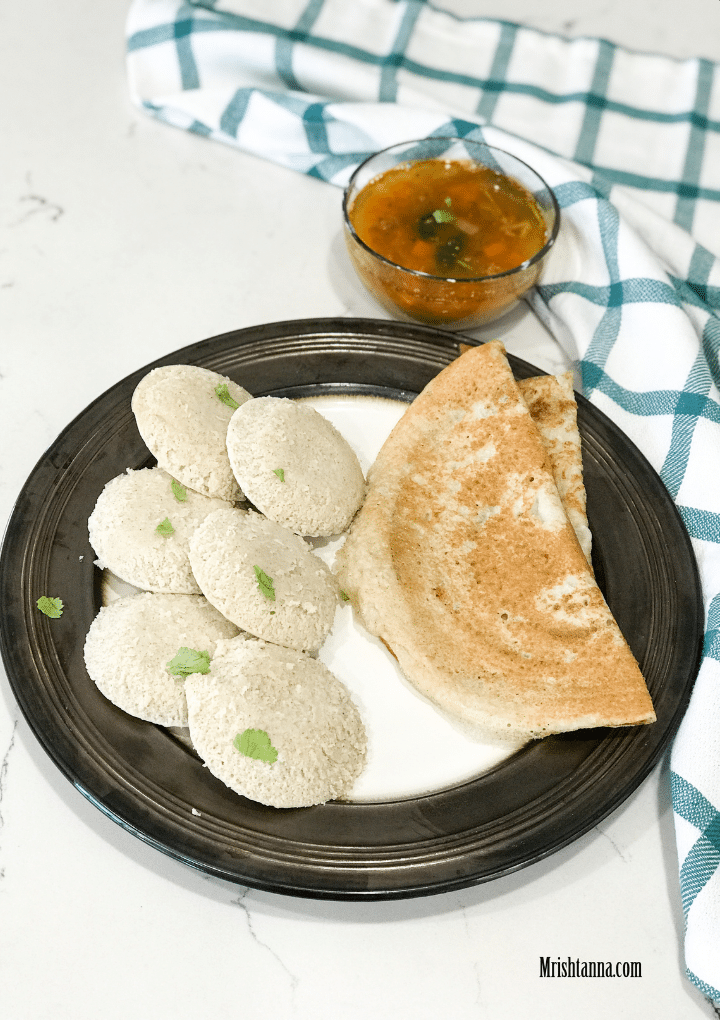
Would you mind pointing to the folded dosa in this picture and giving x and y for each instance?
(553, 408)
(463, 562)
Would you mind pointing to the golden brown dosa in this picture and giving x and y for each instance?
(553, 408)
(463, 562)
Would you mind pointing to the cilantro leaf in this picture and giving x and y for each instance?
(223, 394)
(265, 583)
(280, 472)
(443, 216)
(50, 607)
(165, 527)
(344, 596)
(256, 744)
(179, 491)
(187, 661)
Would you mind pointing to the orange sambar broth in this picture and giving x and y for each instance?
(453, 219)
(418, 213)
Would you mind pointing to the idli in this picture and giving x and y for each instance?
(264, 578)
(275, 725)
(141, 526)
(294, 466)
(182, 413)
(131, 641)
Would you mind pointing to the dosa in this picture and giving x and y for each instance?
(463, 562)
(552, 406)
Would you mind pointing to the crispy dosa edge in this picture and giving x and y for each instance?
(553, 408)
(552, 405)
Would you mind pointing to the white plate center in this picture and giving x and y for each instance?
(412, 749)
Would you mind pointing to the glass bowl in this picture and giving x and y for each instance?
(448, 231)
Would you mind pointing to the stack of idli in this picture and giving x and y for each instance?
(209, 571)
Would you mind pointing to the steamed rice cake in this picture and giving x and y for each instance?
(294, 466)
(183, 422)
(131, 641)
(309, 724)
(123, 530)
(264, 578)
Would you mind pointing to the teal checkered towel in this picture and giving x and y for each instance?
(630, 142)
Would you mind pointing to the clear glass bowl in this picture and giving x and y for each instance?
(442, 300)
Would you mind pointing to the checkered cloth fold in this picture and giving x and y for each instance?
(630, 143)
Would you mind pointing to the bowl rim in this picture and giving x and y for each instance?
(540, 254)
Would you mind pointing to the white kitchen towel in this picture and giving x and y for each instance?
(630, 143)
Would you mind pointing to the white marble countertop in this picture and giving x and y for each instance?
(121, 241)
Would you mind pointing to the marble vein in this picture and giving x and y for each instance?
(4, 767)
(39, 205)
(34, 204)
(475, 961)
(613, 844)
(239, 901)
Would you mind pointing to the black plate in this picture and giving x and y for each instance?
(526, 808)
